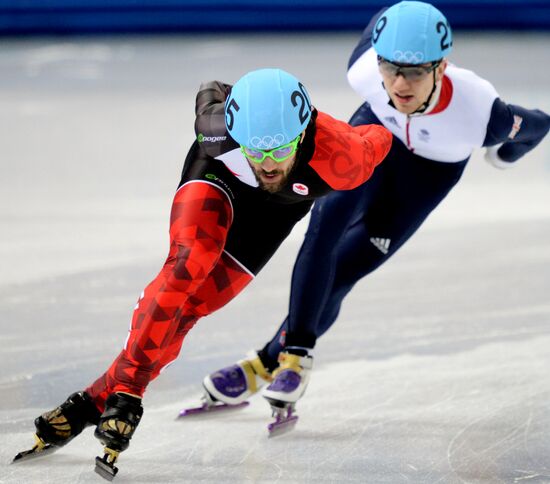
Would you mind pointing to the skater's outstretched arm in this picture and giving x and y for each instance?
(513, 131)
(346, 156)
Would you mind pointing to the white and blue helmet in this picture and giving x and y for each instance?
(267, 108)
(412, 33)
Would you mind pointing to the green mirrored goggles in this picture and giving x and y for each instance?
(278, 154)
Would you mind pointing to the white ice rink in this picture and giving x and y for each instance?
(438, 368)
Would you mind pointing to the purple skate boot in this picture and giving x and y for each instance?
(289, 383)
(234, 384)
(229, 387)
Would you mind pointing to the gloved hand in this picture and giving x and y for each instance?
(491, 156)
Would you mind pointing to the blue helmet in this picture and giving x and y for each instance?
(412, 33)
(267, 108)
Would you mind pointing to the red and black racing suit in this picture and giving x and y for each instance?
(223, 231)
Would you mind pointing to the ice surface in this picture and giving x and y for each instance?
(437, 371)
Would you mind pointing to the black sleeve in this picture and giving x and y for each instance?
(210, 129)
(519, 129)
(365, 42)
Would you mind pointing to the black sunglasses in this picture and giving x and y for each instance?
(410, 72)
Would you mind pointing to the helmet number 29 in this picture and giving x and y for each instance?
(305, 106)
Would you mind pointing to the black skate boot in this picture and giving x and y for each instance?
(58, 427)
(116, 426)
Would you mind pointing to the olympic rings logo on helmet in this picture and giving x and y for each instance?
(267, 142)
(408, 57)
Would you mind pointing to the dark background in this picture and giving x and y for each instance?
(45, 17)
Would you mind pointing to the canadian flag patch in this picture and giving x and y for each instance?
(300, 189)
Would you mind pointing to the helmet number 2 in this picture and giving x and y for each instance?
(441, 26)
(305, 106)
(230, 115)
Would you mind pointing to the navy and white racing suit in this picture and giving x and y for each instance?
(351, 234)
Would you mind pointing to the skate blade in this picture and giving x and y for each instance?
(33, 453)
(210, 408)
(40, 449)
(105, 466)
(282, 426)
(105, 470)
(285, 419)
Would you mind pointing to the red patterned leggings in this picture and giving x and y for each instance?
(197, 278)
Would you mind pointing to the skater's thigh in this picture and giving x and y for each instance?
(226, 280)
